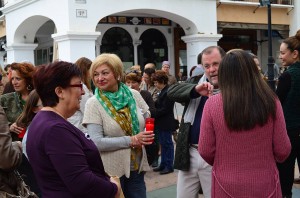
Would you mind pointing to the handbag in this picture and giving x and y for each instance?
(22, 190)
(182, 153)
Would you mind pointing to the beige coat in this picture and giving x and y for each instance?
(116, 162)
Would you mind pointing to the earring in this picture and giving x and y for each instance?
(29, 87)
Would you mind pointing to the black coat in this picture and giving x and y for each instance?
(164, 114)
(149, 100)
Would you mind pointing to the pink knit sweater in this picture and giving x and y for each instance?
(244, 163)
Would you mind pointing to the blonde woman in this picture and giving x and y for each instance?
(115, 122)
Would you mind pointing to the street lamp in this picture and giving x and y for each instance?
(271, 81)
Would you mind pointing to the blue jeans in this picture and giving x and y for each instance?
(134, 186)
(167, 149)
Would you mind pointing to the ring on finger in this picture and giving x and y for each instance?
(143, 139)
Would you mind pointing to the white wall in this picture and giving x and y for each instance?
(195, 16)
(295, 18)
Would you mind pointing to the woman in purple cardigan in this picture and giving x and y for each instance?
(66, 162)
(243, 132)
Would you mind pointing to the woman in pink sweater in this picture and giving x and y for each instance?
(243, 132)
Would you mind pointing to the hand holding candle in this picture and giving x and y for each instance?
(149, 126)
(21, 135)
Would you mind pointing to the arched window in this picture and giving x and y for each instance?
(153, 49)
(118, 41)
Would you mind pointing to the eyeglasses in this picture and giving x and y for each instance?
(77, 85)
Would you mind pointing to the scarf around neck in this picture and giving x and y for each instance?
(120, 103)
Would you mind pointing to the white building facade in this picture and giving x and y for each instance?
(76, 31)
(139, 31)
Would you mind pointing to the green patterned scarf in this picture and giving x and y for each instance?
(121, 106)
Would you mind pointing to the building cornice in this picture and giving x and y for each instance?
(76, 36)
(16, 5)
(21, 46)
(201, 38)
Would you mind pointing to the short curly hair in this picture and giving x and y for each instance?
(26, 71)
(56, 74)
(134, 76)
(160, 76)
(113, 61)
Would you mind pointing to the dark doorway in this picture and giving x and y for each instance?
(118, 41)
(154, 48)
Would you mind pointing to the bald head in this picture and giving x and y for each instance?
(149, 65)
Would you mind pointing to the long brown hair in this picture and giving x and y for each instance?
(27, 114)
(84, 64)
(247, 99)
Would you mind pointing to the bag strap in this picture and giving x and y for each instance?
(176, 112)
(24, 190)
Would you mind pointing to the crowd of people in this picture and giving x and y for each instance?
(79, 129)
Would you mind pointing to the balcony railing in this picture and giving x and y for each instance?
(282, 2)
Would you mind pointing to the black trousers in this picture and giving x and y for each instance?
(153, 149)
(287, 168)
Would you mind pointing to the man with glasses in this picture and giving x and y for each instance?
(194, 172)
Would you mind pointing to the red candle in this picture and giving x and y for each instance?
(21, 135)
(149, 126)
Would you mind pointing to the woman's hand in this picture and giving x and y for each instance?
(145, 137)
(14, 128)
(135, 142)
(116, 181)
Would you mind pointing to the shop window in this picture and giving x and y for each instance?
(238, 38)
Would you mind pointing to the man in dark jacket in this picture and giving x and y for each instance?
(194, 172)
